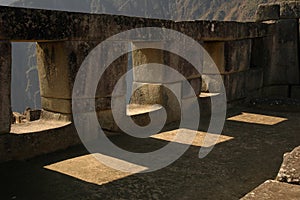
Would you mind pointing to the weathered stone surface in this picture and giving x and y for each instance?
(5, 81)
(254, 79)
(235, 85)
(18, 146)
(237, 55)
(57, 105)
(144, 94)
(267, 12)
(220, 30)
(33, 115)
(290, 9)
(211, 83)
(295, 92)
(274, 190)
(107, 122)
(58, 63)
(290, 169)
(196, 85)
(276, 91)
(229, 56)
(43, 25)
(261, 57)
(284, 64)
(217, 52)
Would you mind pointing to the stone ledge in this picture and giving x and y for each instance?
(274, 190)
(25, 24)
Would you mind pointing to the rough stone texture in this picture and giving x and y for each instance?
(276, 91)
(196, 85)
(107, 122)
(5, 81)
(235, 85)
(261, 57)
(254, 79)
(17, 146)
(274, 190)
(58, 63)
(229, 56)
(33, 115)
(147, 94)
(267, 12)
(211, 83)
(295, 92)
(43, 25)
(290, 168)
(284, 60)
(237, 55)
(220, 30)
(216, 51)
(290, 9)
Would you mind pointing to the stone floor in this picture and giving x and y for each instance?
(249, 152)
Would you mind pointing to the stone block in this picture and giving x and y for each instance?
(212, 83)
(33, 115)
(63, 106)
(274, 190)
(5, 86)
(54, 116)
(172, 104)
(195, 84)
(254, 79)
(235, 85)
(290, 9)
(184, 67)
(290, 168)
(144, 94)
(237, 55)
(267, 12)
(111, 76)
(284, 63)
(276, 91)
(107, 122)
(149, 53)
(295, 92)
(261, 53)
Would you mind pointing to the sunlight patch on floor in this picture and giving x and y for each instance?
(258, 119)
(202, 139)
(87, 168)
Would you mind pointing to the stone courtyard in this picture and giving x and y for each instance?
(249, 152)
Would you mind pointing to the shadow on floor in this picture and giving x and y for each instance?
(230, 171)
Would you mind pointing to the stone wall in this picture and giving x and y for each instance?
(5, 81)
(278, 54)
(254, 58)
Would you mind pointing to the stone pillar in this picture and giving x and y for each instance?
(5, 86)
(58, 63)
(166, 88)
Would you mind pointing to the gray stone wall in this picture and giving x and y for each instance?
(5, 81)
